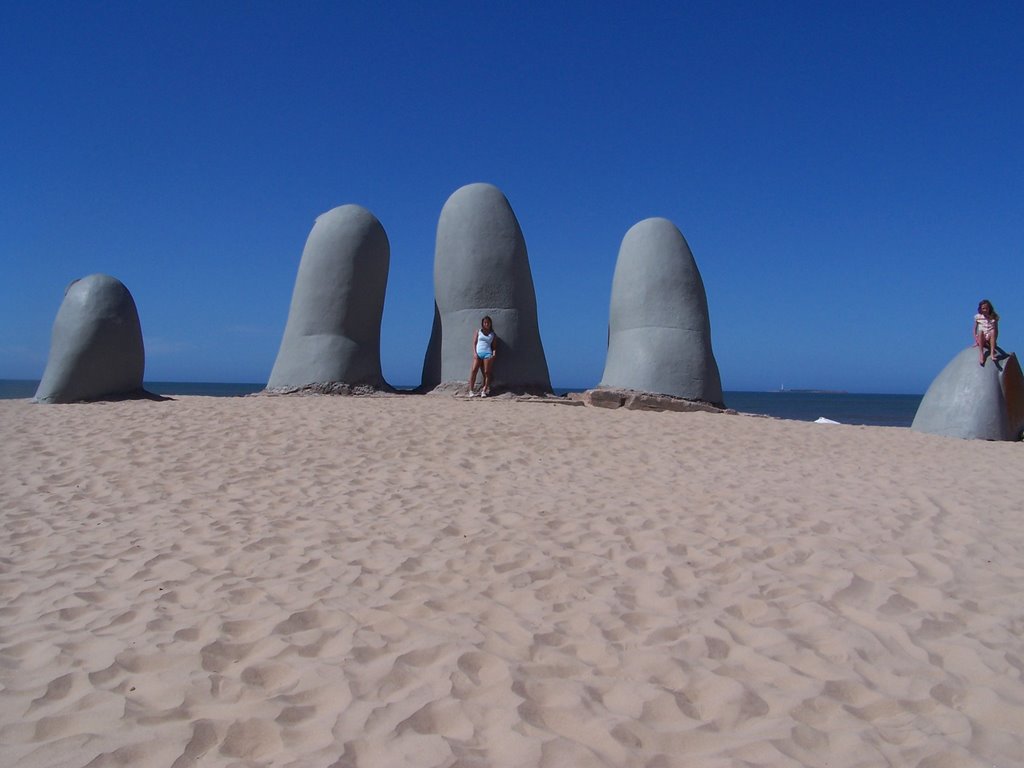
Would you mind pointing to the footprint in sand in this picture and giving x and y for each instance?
(254, 739)
(270, 676)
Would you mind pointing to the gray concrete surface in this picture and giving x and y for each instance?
(332, 336)
(968, 400)
(659, 331)
(481, 268)
(96, 349)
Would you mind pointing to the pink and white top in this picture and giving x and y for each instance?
(985, 325)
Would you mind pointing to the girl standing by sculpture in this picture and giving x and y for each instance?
(986, 330)
(484, 352)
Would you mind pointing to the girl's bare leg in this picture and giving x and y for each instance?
(992, 345)
(472, 373)
(980, 341)
(487, 375)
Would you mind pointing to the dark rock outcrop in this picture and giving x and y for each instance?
(642, 401)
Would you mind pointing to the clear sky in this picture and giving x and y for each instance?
(849, 176)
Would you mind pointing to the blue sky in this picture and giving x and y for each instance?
(848, 175)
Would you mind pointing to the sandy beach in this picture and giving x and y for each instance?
(424, 581)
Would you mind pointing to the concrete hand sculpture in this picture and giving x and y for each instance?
(96, 349)
(659, 331)
(974, 402)
(331, 342)
(481, 268)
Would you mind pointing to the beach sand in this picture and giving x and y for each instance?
(424, 581)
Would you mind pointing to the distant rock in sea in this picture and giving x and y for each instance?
(974, 402)
(96, 349)
(331, 341)
(659, 330)
(481, 268)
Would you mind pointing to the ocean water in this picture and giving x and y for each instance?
(20, 388)
(846, 408)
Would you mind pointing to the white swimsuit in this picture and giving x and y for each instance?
(483, 344)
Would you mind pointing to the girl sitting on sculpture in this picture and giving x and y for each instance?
(485, 345)
(986, 330)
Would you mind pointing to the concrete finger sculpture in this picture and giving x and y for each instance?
(331, 341)
(96, 349)
(974, 402)
(481, 268)
(659, 332)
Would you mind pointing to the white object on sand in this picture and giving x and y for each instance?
(823, 420)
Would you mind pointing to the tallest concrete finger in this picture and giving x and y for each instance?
(481, 268)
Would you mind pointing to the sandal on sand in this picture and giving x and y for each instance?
(485, 393)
